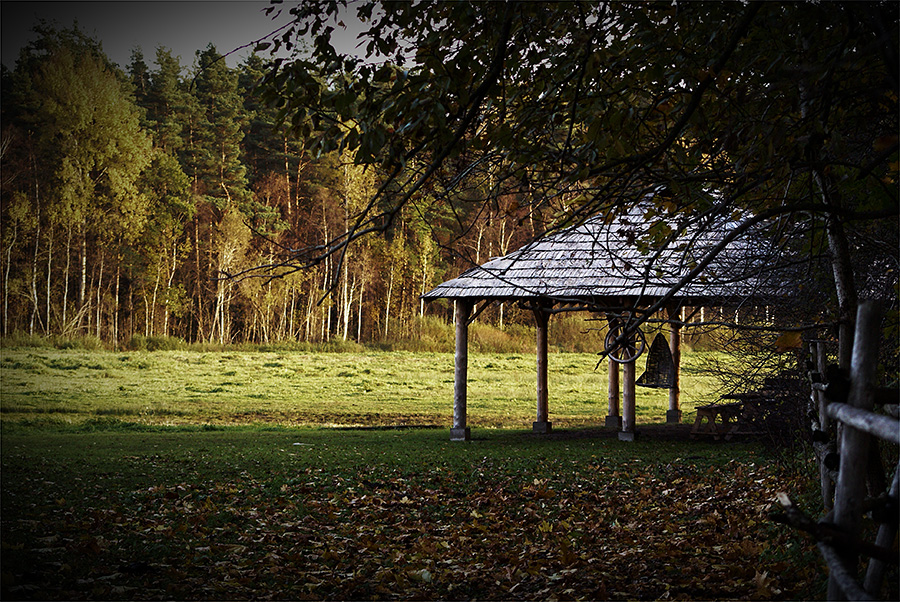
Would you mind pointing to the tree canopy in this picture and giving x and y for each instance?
(128, 197)
(783, 114)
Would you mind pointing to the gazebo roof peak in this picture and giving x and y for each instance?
(603, 258)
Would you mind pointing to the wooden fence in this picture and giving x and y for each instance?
(852, 477)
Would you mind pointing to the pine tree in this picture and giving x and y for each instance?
(220, 180)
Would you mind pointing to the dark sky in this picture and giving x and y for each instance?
(181, 26)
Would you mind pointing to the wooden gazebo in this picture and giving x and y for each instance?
(599, 266)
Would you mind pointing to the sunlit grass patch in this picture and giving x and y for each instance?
(191, 387)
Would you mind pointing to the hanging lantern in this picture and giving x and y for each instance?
(660, 372)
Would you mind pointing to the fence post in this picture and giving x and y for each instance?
(850, 491)
(884, 538)
(826, 484)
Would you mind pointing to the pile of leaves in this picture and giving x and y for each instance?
(598, 529)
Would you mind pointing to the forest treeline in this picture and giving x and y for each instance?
(138, 202)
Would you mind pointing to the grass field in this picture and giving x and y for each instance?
(189, 475)
(47, 386)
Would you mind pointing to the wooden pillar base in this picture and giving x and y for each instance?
(542, 428)
(463, 434)
(614, 422)
(627, 435)
(673, 416)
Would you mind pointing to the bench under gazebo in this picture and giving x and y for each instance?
(599, 267)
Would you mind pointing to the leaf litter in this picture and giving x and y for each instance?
(594, 530)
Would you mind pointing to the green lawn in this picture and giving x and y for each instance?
(376, 388)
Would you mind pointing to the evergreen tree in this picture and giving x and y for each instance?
(168, 103)
(221, 174)
(140, 76)
(220, 180)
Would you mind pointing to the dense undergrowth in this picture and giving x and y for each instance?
(574, 334)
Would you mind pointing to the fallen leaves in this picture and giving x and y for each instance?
(588, 531)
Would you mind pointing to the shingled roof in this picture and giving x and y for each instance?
(601, 258)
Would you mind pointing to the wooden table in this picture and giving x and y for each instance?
(717, 419)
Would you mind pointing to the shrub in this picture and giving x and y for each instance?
(140, 342)
(341, 346)
(577, 333)
(86, 343)
(21, 339)
(490, 339)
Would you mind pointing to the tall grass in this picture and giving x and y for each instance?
(569, 333)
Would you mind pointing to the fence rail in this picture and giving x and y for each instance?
(846, 412)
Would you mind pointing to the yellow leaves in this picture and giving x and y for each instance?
(788, 341)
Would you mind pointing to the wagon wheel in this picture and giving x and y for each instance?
(628, 352)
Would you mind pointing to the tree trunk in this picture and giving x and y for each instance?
(198, 318)
(424, 283)
(346, 300)
(291, 321)
(309, 313)
(65, 297)
(82, 289)
(844, 287)
(172, 268)
(34, 268)
(49, 277)
(9, 249)
(387, 306)
(99, 292)
(150, 328)
(287, 181)
(115, 324)
(359, 312)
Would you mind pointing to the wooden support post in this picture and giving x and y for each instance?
(628, 397)
(673, 415)
(850, 491)
(613, 419)
(542, 423)
(460, 432)
(628, 402)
